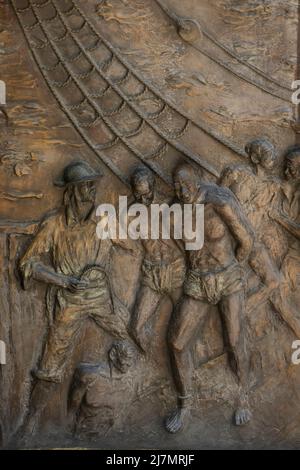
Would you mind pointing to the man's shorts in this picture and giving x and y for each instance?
(162, 277)
(212, 287)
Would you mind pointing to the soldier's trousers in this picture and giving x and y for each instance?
(64, 333)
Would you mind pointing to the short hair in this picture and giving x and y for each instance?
(259, 147)
(189, 169)
(123, 350)
(141, 174)
(293, 153)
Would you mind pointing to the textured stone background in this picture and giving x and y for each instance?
(40, 140)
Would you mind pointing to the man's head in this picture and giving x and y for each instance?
(80, 179)
(122, 355)
(186, 183)
(292, 165)
(86, 191)
(261, 152)
(232, 175)
(143, 186)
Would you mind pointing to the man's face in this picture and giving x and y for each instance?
(87, 191)
(292, 169)
(268, 160)
(185, 188)
(143, 192)
(121, 362)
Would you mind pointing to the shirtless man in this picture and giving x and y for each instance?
(259, 194)
(215, 277)
(163, 268)
(288, 217)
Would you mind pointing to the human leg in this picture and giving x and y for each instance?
(189, 317)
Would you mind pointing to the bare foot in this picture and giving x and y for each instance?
(242, 416)
(177, 420)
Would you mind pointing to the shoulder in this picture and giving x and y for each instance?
(235, 173)
(51, 219)
(47, 225)
(220, 196)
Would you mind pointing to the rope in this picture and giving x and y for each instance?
(180, 21)
(99, 112)
(201, 125)
(74, 107)
(179, 147)
(135, 131)
(121, 80)
(50, 68)
(115, 111)
(63, 84)
(182, 132)
(162, 149)
(110, 165)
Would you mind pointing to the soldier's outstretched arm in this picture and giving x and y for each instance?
(44, 273)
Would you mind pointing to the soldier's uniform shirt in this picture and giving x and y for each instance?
(73, 247)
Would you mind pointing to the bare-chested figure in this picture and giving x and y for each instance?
(288, 217)
(259, 193)
(163, 268)
(215, 277)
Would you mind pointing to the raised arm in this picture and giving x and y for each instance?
(292, 227)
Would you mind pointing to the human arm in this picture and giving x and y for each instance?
(292, 227)
(33, 264)
(43, 273)
(231, 212)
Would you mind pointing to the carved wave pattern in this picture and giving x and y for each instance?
(194, 33)
(84, 71)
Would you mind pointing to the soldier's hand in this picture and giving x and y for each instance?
(76, 285)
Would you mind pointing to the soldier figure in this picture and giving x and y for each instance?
(215, 277)
(163, 267)
(76, 272)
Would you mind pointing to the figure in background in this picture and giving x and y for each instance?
(287, 215)
(258, 192)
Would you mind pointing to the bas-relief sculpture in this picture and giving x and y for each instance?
(226, 314)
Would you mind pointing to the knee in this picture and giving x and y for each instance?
(175, 344)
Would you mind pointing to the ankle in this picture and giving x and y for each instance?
(185, 401)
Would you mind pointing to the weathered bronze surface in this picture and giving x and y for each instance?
(143, 343)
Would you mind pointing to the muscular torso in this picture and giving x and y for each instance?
(218, 250)
(162, 250)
